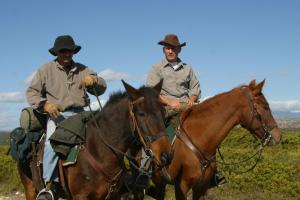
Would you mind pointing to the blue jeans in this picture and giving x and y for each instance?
(50, 157)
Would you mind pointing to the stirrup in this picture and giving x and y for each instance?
(44, 191)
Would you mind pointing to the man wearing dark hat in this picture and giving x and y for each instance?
(180, 84)
(57, 89)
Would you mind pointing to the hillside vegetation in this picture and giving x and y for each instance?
(276, 175)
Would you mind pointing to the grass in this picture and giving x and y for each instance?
(276, 175)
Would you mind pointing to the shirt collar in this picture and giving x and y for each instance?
(166, 63)
(74, 67)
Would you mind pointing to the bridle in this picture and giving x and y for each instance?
(254, 114)
(205, 162)
(264, 140)
(144, 139)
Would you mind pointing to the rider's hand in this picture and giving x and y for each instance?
(188, 101)
(52, 109)
(174, 103)
(89, 80)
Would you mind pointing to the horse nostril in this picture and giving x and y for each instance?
(166, 158)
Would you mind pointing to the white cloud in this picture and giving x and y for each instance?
(110, 75)
(292, 106)
(286, 106)
(11, 97)
(95, 105)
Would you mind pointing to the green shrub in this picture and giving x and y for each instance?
(276, 175)
(9, 177)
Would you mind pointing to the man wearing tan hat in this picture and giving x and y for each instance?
(57, 89)
(180, 87)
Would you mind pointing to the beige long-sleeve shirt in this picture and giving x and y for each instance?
(178, 83)
(52, 83)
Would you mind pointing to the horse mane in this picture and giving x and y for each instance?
(115, 97)
(206, 104)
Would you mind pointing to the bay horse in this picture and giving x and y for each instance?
(202, 129)
(132, 115)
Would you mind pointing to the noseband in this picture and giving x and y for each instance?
(255, 114)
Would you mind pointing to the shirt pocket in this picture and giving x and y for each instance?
(183, 82)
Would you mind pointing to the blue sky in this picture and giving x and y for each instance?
(228, 43)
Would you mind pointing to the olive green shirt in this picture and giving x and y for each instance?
(52, 83)
(180, 83)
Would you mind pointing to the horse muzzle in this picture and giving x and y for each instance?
(276, 136)
(166, 158)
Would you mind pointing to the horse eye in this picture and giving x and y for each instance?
(141, 114)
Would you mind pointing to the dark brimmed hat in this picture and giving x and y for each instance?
(64, 42)
(172, 40)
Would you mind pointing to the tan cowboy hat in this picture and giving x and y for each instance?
(172, 40)
(64, 42)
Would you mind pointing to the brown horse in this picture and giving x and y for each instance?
(134, 115)
(202, 129)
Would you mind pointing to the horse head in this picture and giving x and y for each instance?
(148, 124)
(257, 115)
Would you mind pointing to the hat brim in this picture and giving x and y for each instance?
(166, 43)
(74, 48)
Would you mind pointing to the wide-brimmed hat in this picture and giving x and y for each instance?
(172, 40)
(64, 42)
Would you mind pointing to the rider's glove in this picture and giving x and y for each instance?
(52, 109)
(89, 80)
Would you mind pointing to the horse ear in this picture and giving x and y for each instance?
(259, 87)
(158, 86)
(131, 91)
(252, 84)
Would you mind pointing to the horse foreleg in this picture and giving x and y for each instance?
(28, 186)
(181, 190)
(199, 193)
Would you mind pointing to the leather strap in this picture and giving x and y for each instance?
(96, 165)
(187, 141)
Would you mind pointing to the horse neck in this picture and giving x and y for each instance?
(210, 122)
(113, 126)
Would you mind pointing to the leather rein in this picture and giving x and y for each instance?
(204, 161)
(145, 140)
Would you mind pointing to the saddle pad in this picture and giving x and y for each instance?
(172, 126)
(72, 156)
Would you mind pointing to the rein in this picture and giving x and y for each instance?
(145, 141)
(205, 162)
(266, 139)
(146, 145)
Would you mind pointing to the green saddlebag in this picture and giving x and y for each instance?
(32, 120)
